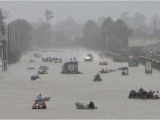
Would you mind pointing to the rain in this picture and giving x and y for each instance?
(79, 60)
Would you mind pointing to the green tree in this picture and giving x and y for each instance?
(115, 34)
(107, 32)
(90, 39)
(48, 15)
(43, 34)
(21, 33)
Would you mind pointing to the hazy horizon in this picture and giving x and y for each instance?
(79, 10)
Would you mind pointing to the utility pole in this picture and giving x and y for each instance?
(3, 41)
(16, 45)
(9, 58)
(4, 50)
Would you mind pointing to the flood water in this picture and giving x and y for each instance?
(17, 91)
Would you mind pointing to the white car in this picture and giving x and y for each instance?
(88, 58)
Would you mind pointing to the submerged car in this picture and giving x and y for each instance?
(103, 63)
(42, 72)
(31, 68)
(133, 61)
(43, 67)
(124, 72)
(34, 77)
(37, 55)
(58, 60)
(123, 68)
(103, 71)
(32, 61)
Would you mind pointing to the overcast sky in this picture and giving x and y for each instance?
(81, 11)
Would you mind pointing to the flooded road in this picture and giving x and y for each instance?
(17, 91)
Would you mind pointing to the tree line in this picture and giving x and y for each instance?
(104, 34)
(18, 36)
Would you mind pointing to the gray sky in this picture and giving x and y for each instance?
(81, 11)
